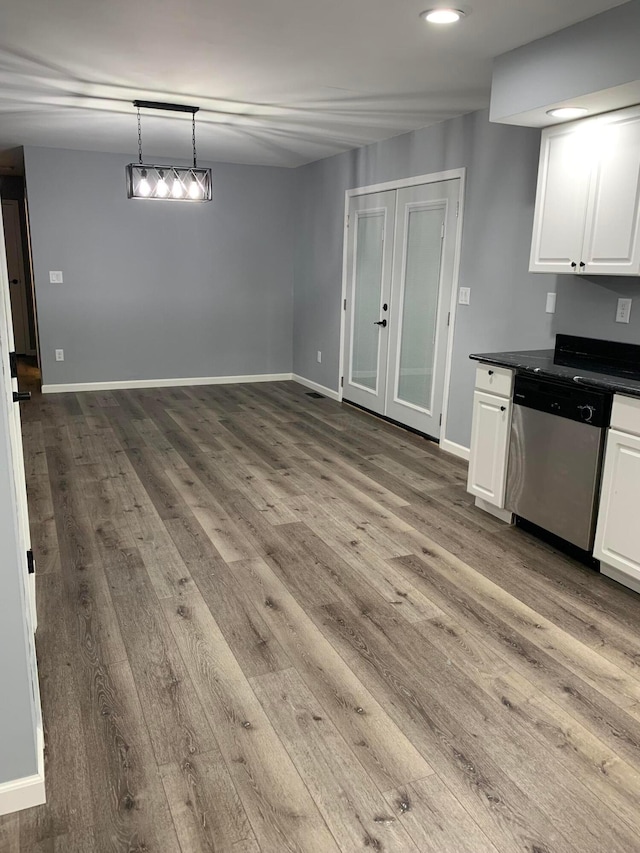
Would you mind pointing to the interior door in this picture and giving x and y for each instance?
(17, 282)
(423, 270)
(9, 386)
(369, 267)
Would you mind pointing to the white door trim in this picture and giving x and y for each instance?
(433, 178)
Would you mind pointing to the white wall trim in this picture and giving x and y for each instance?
(27, 792)
(117, 385)
(455, 449)
(315, 386)
(433, 178)
(448, 175)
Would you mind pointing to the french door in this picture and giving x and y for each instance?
(17, 283)
(9, 386)
(400, 266)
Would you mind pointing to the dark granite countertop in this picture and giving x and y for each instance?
(541, 363)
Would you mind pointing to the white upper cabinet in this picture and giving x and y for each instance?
(587, 201)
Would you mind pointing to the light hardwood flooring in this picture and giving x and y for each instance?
(274, 623)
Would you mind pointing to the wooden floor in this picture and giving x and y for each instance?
(273, 623)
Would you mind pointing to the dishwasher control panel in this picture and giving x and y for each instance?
(564, 399)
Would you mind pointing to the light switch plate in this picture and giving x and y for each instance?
(55, 277)
(623, 314)
(464, 295)
(551, 303)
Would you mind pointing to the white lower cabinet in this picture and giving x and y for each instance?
(489, 447)
(617, 543)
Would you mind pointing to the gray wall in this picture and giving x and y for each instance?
(596, 54)
(587, 306)
(507, 309)
(158, 290)
(17, 727)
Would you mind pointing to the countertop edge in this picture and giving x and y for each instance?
(525, 363)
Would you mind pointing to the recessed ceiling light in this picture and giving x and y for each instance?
(567, 112)
(442, 16)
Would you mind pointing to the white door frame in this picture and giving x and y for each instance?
(433, 178)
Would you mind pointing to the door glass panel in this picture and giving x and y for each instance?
(420, 306)
(366, 299)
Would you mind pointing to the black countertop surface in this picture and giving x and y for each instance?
(541, 363)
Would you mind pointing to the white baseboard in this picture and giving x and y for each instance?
(618, 575)
(118, 385)
(27, 792)
(454, 449)
(321, 389)
(502, 514)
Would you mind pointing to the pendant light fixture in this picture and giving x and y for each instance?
(168, 183)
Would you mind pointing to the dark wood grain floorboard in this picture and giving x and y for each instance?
(273, 623)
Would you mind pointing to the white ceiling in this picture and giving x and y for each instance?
(279, 82)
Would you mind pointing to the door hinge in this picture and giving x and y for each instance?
(344, 305)
(342, 381)
(348, 218)
(13, 365)
(440, 424)
(449, 318)
(442, 232)
(457, 209)
(31, 563)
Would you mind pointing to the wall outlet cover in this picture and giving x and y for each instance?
(623, 312)
(59, 355)
(464, 295)
(551, 303)
(55, 277)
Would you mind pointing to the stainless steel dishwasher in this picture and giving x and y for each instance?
(555, 456)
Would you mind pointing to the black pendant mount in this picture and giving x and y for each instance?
(160, 105)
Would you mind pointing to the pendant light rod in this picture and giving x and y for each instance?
(159, 105)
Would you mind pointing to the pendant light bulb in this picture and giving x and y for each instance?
(162, 189)
(176, 189)
(144, 188)
(194, 189)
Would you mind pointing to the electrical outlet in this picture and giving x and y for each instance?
(623, 313)
(55, 277)
(464, 295)
(59, 355)
(319, 357)
(551, 303)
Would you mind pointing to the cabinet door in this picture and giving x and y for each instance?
(612, 245)
(489, 447)
(618, 533)
(564, 177)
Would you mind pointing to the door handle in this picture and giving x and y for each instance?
(21, 396)
(382, 323)
(15, 281)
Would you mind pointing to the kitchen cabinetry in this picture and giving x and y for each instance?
(617, 543)
(588, 197)
(490, 435)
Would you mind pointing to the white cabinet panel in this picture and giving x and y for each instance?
(611, 239)
(494, 380)
(561, 202)
(489, 447)
(587, 212)
(618, 533)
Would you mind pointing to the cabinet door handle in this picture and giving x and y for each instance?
(573, 265)
(503, 408)
(490, 372)
(582, 264)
